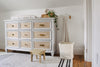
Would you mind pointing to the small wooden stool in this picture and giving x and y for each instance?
(37, 52)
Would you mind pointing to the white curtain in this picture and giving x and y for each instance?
(65, 29)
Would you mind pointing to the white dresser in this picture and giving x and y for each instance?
(24, 35)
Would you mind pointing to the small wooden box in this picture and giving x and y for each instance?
(44, 16)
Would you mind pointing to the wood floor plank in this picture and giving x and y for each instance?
(75, 65)
(78, 61)
(81, 64)
(88, 64)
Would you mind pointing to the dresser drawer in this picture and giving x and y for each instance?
(26, 25)
(42, 45)
(26, 34)
(41, 25)
(12, 25)
(12, 34)
(41, 34)
(12, 43)
(25, 44)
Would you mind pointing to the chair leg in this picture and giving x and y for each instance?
(62, 62)
(31, 57)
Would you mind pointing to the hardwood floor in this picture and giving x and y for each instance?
(78, 61)
(1, 50)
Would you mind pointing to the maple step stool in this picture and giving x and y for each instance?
(37, 52)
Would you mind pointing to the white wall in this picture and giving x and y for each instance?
(96, 33)
(75, 25)
(11, 5)
(2, 34)
(88, 29)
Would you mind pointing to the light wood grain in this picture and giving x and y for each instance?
(40, 58)
(12, 34)
(41, 25)
(26, 25)
(12, 43)
(12, 25)
(37, 52)
(44, 56)
(41, 34)
(42, 45)
(31, 57)
(25, 34)
(25, 44)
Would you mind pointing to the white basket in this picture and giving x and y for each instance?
(66, 50)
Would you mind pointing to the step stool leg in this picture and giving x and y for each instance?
(31, 57)
(40, 58)
(44, 56)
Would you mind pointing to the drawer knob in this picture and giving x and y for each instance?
(25, 25)
(13, 43)
(26, 44)
(42, 34)
(42, 25)
(12, 25)
(42, 45)
(26, 34)
(12, 34)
